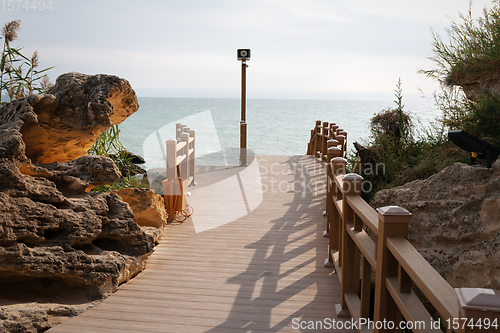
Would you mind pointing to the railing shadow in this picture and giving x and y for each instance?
(268, 282)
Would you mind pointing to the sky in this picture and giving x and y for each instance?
(301, 49)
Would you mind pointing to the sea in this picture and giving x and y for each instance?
(274, 126)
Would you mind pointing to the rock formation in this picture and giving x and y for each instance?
(148, 207)
(52, 229)
(455, 223)
(76, 110)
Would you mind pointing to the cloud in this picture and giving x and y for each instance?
(422, 10)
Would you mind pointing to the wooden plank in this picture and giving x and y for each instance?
(411, 307)
(354, 305)
(338, 204)
(364, 211)
(180, 146)
(338, 270)
(364, 243)
(429, 281)
(256, 273)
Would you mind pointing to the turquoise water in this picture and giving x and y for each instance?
(275, 127)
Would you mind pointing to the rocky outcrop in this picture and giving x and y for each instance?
(51, 227)
(455, 223)
(148, 207)
(77, 109)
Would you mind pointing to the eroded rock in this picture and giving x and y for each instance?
(51, 227)
(455, 223)
(70, 118)
(148, 207)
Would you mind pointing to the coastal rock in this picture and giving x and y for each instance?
(63, 124)
(51, 227)
(148, 207)
(455, 223)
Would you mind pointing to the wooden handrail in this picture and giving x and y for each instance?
(321, 134)
(387, 253)
(364, 211)
(441, 295)
(181, 152)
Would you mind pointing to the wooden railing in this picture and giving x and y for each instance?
(325, 135)
(181, 152)
(180, 172)
(363, 242)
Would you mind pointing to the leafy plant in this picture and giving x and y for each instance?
(397, 155)
(109, 145)
(472, 50)
(18, 73)
(466, 67)
(124, 182)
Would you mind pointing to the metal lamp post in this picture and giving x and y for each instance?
(243, 56)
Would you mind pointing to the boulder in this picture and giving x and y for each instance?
(148, 207)
(67, 121)
(455, 223)
(51, 227)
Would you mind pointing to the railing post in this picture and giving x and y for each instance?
(341, 140)
(324, 139)
(344, 146)
(350, 253)
(178, 131)
(333, 128)
(338, 166)
(185, 151)
(332, 131)
(170, 190)
(392, 222)
(329, 179)
(475, 305)
(192, 135)
(171, 158)
(317, 132)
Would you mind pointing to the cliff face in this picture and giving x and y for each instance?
(455, 223)
(52, 230)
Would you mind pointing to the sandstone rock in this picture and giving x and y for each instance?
(76, 176)
(66, 122)
(455, 223)
(63, 248)
(148, 207)
(50, 226)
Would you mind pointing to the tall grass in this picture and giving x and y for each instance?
(19, 76)
(109, 145)
(472, 49)
(467, 67)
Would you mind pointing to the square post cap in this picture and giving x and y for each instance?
(334, 152)
(332, 143)
(393, 214)
(352, 183)
(338, 160)
(338, 165)
(478, 299)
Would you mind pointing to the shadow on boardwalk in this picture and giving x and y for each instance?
(261, 271)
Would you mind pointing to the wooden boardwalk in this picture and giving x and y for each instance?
(250, 259)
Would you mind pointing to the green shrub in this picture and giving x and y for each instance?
(467, 68)
(398, 153)
(108, 144)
